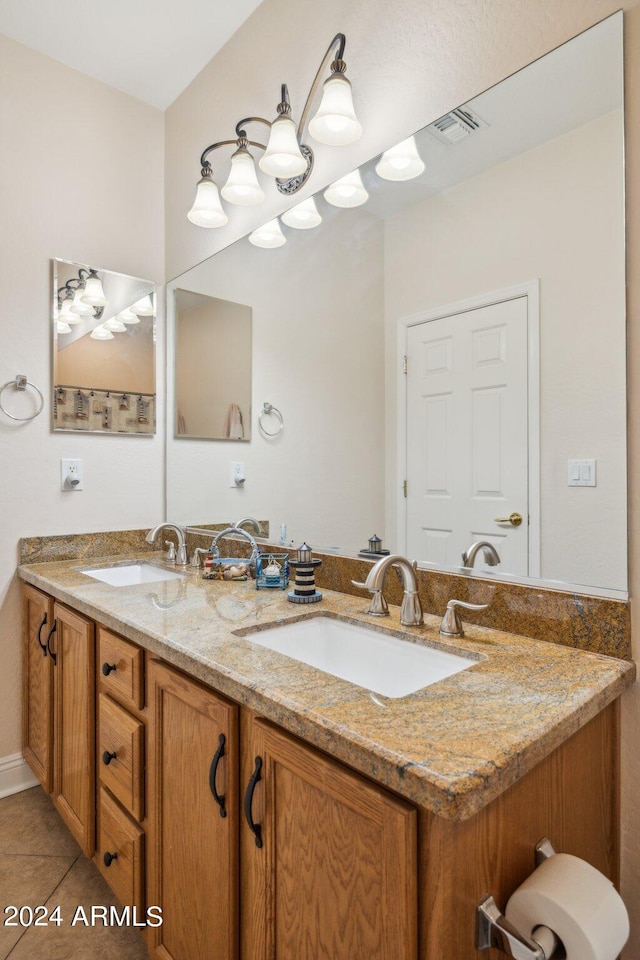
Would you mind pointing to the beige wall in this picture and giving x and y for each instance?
(502, 228)
(410, 63)
(81, 170)
(125, 363)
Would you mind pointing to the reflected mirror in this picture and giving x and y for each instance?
(212, 372)
(103, 351)
(488, 251)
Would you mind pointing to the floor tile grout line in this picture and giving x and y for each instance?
(27, 929)
(43, 856)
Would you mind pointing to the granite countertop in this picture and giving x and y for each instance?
(451, 747)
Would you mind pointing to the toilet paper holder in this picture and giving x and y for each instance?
(494, 930)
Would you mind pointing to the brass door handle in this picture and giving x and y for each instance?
(515, 519)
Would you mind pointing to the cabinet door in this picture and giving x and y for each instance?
(192, 837)
(335, 877)
(37, 683)
(72, 649)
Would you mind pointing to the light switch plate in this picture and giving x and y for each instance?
(581, 473)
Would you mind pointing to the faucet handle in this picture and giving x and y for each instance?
(451, 625)
(170, 555)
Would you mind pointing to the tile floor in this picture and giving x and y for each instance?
(40, 863)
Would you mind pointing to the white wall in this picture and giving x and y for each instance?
(495, 230)
(81, 174)
(318, 341)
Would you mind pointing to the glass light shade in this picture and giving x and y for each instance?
(99, 333)
(268, 236)
(62, 327)
(242, 185)
(114, 325)
(303, 216)
(282, 158)
(143, 307)
(335, 122)
(348, 191)
(402, 162)
(82, 309)
(66, 314)
(93, 292)
(128, 316)
(207, 210)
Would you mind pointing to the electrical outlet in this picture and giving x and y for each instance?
(237, 474)
(71, 474)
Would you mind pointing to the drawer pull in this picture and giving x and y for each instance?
(255, 828)
(108, 668)
(109, 858)
(42, 645)
(50, 634)
(108, 757)
(213, 771)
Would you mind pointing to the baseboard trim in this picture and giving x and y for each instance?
(15, 775)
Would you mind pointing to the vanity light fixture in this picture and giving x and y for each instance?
(143, 307)
(348, 191)
(115, 325)
(72, 305)
(93, 292)
(128, 316)
(101, 333)
(304, 216)
(66, 314)
(78, 306)
(62, 327)
(268, 236)
(402, 162)
(285, 157)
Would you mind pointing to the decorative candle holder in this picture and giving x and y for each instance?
(272, 571)
(374, 549)
(305, 585)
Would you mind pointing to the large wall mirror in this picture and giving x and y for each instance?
(103, 351)
(493, 260)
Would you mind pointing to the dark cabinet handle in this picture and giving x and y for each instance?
(109, 858)
(255, 828)
(42, 645)
(108, 757)
(107, 668)
(50, 634)
(213, 771)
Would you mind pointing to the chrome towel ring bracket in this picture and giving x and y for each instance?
(21, 383)
(268, 410)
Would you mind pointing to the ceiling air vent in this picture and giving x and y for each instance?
(456, 125)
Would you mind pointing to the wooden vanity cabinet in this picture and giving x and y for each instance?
(330, 870)
(37, 685)
(194, 812)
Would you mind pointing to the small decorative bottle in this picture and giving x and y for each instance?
(305, 585)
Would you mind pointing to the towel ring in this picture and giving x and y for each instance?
(267, 410)
(21, 383)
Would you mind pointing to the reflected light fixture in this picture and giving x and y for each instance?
(100, 333)
(348, 191)
(93, 292)
(402, 162)
(114, 325)
(66, 314)
(72, 306)
(285, 156)
(268, 236)
(78, 306)
(62, 327)
(304, 216)
(143, 307)
(128, 316)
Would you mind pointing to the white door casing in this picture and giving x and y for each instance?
(469, 430)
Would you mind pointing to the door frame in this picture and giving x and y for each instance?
(530, 290)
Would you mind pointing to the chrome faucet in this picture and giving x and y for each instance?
(489, 552)
(411, 611)
(255, 524)
(181, 556)
(243, 533)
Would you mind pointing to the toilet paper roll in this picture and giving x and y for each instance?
(577, 902)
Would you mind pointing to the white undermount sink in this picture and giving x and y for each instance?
(377, 661)
(129, 574)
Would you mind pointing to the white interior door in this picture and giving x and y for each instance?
(467, 435)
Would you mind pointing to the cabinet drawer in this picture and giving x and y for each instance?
(120, 853)
(121, 666)
(120, 755)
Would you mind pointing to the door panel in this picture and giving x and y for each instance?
(37, 681)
